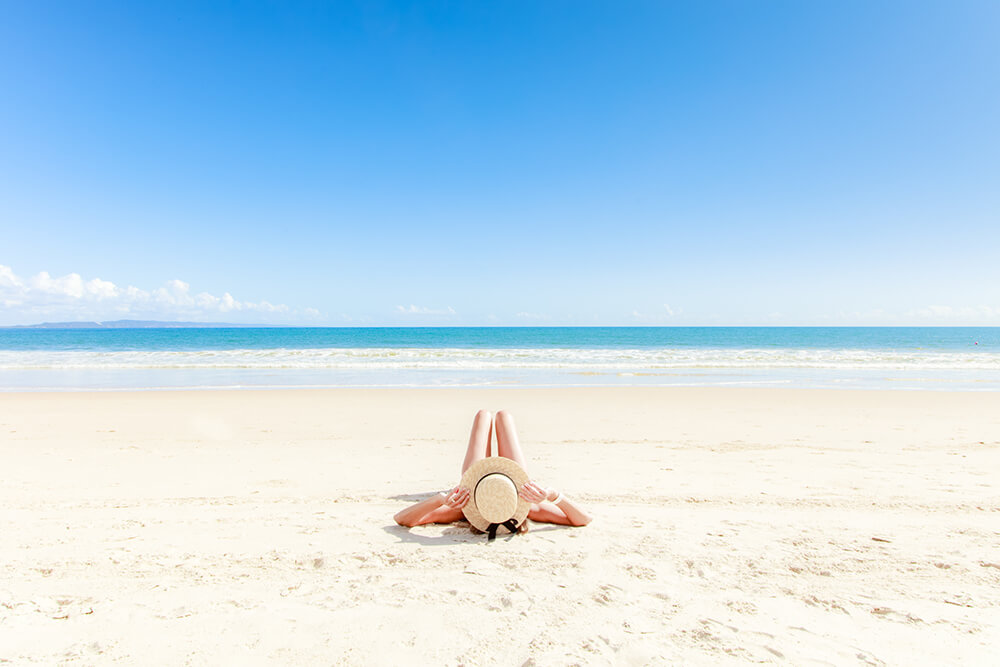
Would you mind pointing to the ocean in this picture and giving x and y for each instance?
(939, 358)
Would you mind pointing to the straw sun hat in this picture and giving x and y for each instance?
(493, 501)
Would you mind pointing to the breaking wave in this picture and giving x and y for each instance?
(499, 359)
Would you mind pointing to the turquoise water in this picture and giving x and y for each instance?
(860, 357)
(865, 338)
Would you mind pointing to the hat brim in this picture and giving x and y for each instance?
(489, 466)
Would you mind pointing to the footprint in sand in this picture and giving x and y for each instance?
(608, 594)
(641, 572)
(892, 614)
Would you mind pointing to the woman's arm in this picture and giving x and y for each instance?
(563, 512)
(440, 508)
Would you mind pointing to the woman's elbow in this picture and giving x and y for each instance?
(583, 520)
(403, 520)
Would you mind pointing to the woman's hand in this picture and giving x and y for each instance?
(533, 493)
(456, 498)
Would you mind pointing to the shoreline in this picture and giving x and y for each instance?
(124, 382)
(915, 358)
(283, 389)
(776, 386)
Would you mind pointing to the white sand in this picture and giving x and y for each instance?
(734, 525)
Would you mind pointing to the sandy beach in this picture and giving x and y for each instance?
(731, 525)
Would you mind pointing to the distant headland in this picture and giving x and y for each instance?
(132, 324)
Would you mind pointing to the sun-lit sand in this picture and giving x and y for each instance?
(731, 525)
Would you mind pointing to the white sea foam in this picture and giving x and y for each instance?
(634, 360)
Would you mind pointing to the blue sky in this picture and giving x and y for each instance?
(464, 163)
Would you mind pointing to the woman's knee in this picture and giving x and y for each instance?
(504, 420)
(483, 417)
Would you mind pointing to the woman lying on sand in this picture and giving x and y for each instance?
(547, 505)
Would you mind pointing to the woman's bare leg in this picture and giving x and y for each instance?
(508, 444)
(479, 439)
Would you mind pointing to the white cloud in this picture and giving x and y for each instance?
(70, 285)
(70, 297)
(7, 278)
(423, 310)
(656, 315)
(227, 303)
(955, 314)
(101, 289)
(268, 307)
(935, 314)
